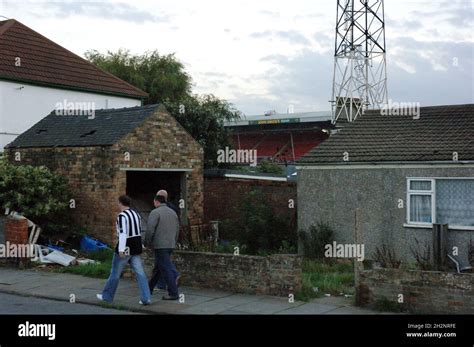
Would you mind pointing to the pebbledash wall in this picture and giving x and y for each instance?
(222, 195)
(97, 176)
(428, 292)
(279, 274)
(332, 194)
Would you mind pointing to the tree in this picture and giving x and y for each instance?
(163, 77)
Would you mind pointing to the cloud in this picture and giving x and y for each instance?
(443, 72)
(455, 13)
(105, 10)
(269, 13)
(304, 81)
(432, 73)
(291, 36)
(413, 24)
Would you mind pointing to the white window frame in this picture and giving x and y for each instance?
(433, 180)
(431, 192)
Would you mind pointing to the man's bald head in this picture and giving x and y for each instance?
(163, 193)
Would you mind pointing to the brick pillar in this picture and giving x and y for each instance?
(16, 232)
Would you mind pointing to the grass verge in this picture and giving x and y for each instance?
(99, 270)
(326, 277)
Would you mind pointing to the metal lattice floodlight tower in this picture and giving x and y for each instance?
(360, 77)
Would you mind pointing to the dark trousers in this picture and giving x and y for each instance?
(164, 268)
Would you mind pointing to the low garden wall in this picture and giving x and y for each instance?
(430, 292)
(278, 275)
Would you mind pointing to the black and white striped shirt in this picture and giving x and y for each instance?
(129, 232)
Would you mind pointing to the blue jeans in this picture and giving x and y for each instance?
(164, 269)
(118, 264)
(162, 283)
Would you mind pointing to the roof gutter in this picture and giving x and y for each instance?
(385, 164)
(66, 87)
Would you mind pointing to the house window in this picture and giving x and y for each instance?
(421, 201)
(441, 200)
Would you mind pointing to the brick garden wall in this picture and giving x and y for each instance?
(427, 292)
(278, 275)
(222, 195)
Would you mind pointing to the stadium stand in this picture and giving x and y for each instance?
(282, 138)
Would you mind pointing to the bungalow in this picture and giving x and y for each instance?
(38, 75)
(403, 173)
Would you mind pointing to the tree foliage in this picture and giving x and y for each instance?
(162, 76)
(35, 192)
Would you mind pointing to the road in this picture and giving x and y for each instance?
(14, 304)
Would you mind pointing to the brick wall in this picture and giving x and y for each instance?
(95, 177)
(279, 275)
(222, 195)
(427, 292)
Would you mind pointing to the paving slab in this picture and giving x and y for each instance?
(351, 310)
(310, 308)
(238, 299)
(209, 307)
(335, 300)
(265, 306)
(205, 292)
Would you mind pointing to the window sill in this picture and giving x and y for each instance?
(429, 226)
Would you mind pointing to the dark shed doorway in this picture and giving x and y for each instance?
(142, 186)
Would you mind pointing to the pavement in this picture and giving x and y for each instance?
(14, 304)
(62, 287)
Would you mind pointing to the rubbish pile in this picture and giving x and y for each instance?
(55, 252)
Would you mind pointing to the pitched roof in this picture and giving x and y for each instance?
(439, 131)
(105, 128)
(46, 63)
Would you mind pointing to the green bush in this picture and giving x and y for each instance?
(257, 228)
(35, 192)
(315, 239)
(266, 166)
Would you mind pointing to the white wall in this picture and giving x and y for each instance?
(23, 105)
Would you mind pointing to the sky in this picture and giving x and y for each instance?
(263, 55)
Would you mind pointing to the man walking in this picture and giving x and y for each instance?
(162, 236)
(128, 250)
(161, 282)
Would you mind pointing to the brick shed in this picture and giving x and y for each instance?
(135, 150)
